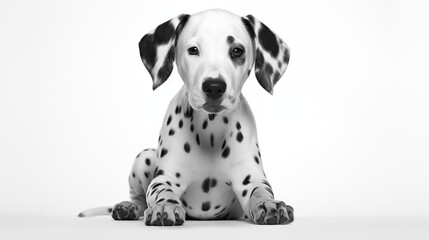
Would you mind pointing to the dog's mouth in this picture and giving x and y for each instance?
(213, 108)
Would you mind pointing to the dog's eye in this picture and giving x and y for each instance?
(193, 51)
(237, 52)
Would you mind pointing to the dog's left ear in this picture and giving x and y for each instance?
(157, 49)
(271, 53)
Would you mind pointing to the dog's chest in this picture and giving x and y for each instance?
(209, 194)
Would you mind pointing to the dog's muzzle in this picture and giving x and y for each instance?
(214, 89)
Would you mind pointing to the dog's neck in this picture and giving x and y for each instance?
(218, 120)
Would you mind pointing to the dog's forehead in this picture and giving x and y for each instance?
(215, 24)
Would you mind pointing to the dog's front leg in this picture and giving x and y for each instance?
(164, 206)
(255, 193)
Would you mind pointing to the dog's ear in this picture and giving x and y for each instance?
(157, 49)
(271, 53)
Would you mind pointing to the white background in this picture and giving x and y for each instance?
(345, 134)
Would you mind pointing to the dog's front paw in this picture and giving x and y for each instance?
(271, 212)
(164, 215)
(126, 211)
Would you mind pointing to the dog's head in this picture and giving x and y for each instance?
(215, 51)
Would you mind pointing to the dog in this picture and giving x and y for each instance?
(208, 163)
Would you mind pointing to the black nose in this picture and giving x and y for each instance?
(214, 88)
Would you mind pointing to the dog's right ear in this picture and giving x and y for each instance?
(157, 49)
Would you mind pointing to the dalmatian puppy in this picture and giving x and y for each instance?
(208, 163)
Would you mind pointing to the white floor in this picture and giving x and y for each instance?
(71, 227)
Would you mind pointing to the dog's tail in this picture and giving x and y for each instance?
(98, 211)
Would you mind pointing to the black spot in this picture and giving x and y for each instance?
(279, 64)
(138, 155)
(164, 32)
(164, 151)
(259, 153)
(147, 174)
(178, 109)
(276, 77)
(178, 175)
(198, 139)
(172, 201)
(168, 120)
(261, 76)
(223, 144)
(217, 206)
(239, 137)
(140, 182)
(213, 182)
(184, 203)
(225, 120)
(212, 116)
(180, 123)
(171, 132)
(246, 180)
(205, 124)
(189, 112)
(248, 26)
(268, 40)
(259, 60)
(244, 193)
(192, 127)
(183, 20)
(268, 69)
(167, 67)
(186, 147)
(286, 56)
(206, 185)
(147, 161)
(251, 19)
(248, 72)
(147, 47)
(230, 39)
(211, 139)
(160, 200)
(238, 125)
(264, 81)
(159, 138)
(256, 159)
(177, 185)
(134, 175)
(225, 152)
(169, 183)
(206, 206)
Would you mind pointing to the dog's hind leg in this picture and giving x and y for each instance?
(141, 175)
